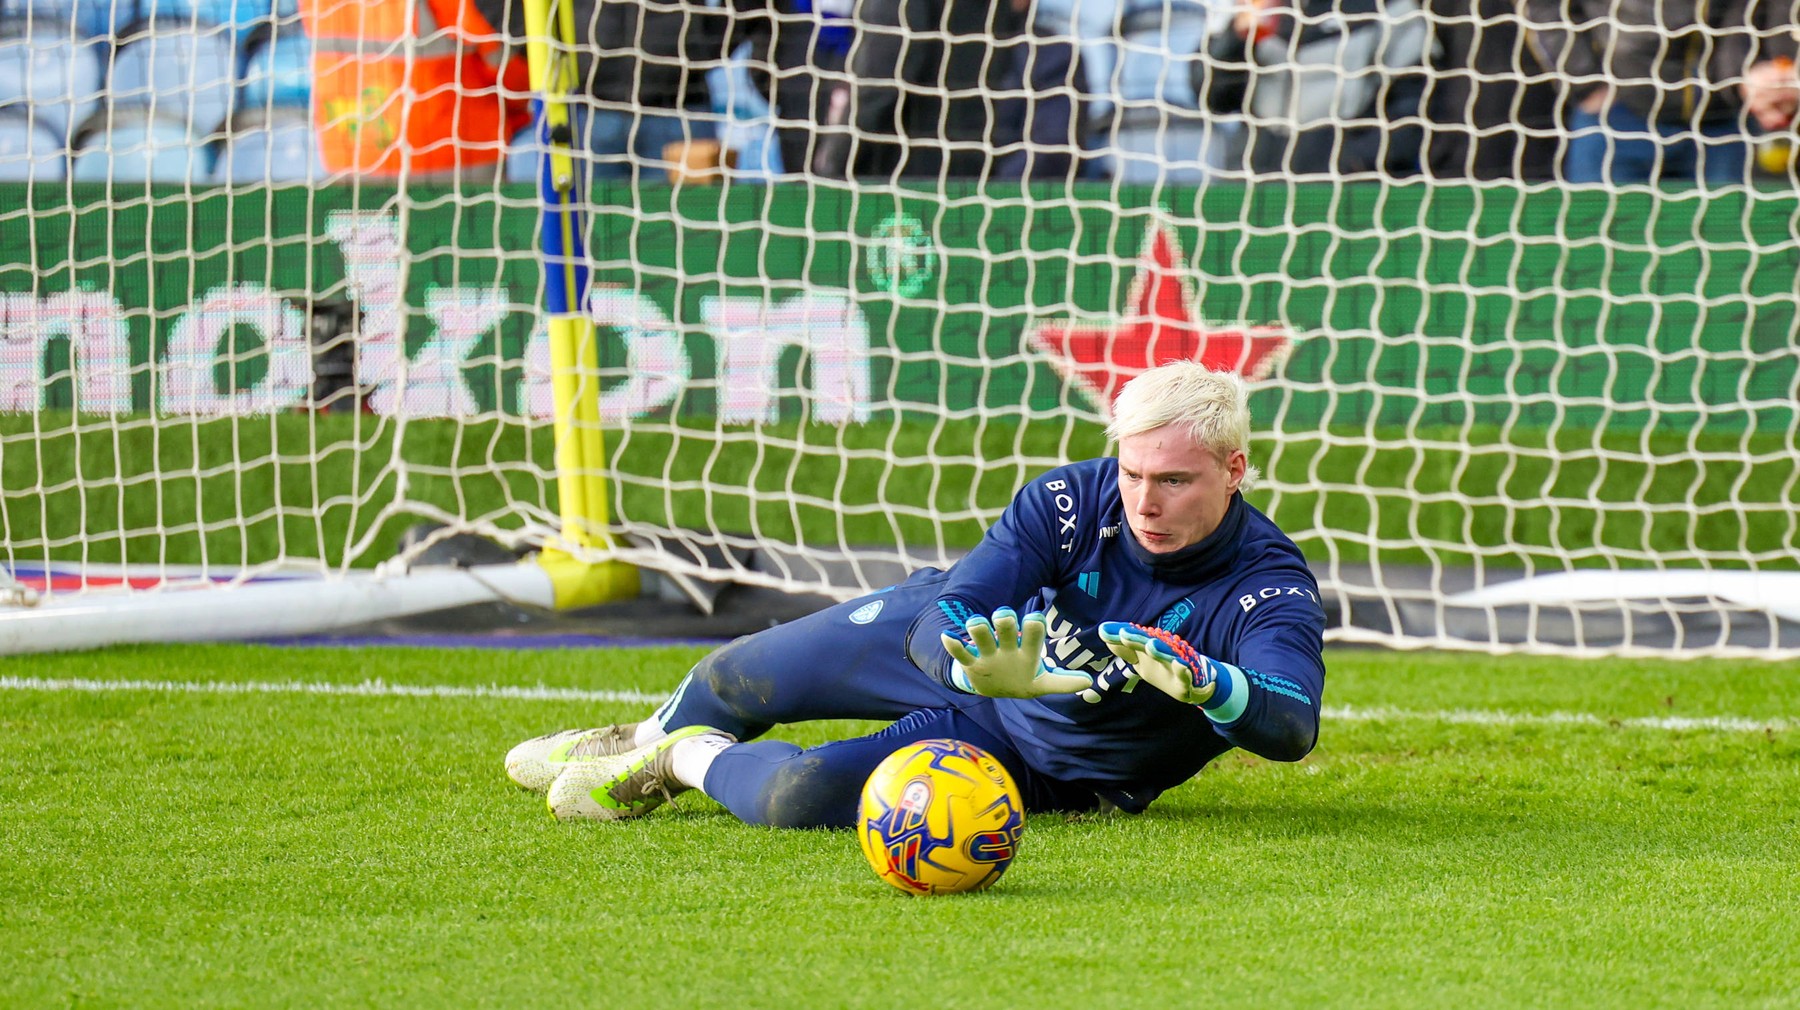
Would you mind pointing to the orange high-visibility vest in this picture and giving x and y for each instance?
(417, 86)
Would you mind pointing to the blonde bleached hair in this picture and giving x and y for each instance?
(1214, 407)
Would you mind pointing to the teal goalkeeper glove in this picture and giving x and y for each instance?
(1164, 661)
(1002, 661)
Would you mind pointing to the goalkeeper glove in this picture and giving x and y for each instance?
(1168, 663)
(1002, 661)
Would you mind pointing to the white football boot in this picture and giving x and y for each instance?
(535, 763)
(622, 785)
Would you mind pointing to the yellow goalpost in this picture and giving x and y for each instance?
(574, 357)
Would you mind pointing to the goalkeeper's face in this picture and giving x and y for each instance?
(1175, 491)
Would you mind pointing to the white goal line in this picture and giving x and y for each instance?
(1477, 717)
(364, 689)
(383, 689)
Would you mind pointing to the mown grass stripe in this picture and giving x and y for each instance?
(383, 689)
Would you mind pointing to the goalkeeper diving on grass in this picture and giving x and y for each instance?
(1124, 622)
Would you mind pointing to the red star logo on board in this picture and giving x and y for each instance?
(1162, 324)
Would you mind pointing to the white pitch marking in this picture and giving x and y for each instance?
(365, 689)
(382, 689)
(1471, 717)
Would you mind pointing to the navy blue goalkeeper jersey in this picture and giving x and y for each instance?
(1243, 596)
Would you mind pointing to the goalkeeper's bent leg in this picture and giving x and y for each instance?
(779, 785)
(844, 662)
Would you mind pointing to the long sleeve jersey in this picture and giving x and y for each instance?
(1243, 596)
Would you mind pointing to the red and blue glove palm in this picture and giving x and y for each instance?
(1164, 660)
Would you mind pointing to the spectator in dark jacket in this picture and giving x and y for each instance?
(924, 77)
(807, 50)
(643, 65)
(1045, 97)
(1661, 88)
(1493, 111)
(1327, 87)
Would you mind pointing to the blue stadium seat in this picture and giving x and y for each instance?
(749, 130)
(277, 146)
(46, 73)
(137, 146)
(92, 19)
(1151, 145)
(29, 153)
(1159, 43)
(178, 73)
(241, 21)
(278, 71)
(203, 13)
(522, 156)
(1157, 132)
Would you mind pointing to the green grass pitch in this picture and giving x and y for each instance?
(237, 491)
(1470, 832)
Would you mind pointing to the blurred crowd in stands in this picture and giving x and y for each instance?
(1137, 91)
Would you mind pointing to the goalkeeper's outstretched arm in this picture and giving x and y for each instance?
(1268, 706)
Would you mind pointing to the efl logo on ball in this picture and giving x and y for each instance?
(940, 817)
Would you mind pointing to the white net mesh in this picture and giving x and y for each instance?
(269, 289)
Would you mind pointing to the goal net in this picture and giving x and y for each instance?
(271, 293)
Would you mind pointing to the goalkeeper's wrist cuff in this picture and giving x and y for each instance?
(1231, 693)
